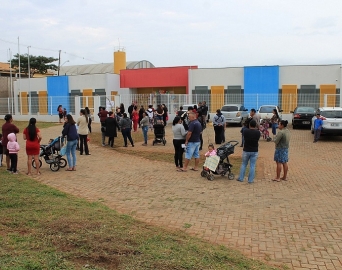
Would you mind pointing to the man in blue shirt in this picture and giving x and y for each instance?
(192, 142)
(318, 123)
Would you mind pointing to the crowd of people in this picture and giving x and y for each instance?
(187, 128)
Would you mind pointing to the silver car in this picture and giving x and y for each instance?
(235, 113)
(332, 120)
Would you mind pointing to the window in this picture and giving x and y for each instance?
(332, 114)
(230, 108)
(266, 109)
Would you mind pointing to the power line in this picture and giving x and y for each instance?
(51, 50)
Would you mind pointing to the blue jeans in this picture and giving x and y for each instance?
(252, 157)
(144, 130)
(71, 151)
(274, 128)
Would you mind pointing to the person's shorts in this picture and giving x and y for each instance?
(61, 115)
(5, 150)
(192, 150)
(281, 155)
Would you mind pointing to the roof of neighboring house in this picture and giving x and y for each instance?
(101, 68)
(4, 66)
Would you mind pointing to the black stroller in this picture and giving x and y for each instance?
(159, 132)
(51, 155)
(224, 166)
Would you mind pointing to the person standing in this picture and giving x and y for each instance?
(130, 110)
(60, 113)
(88, 114)
(219, 123)
(33, 137)
(192, 142)
(135, 118)
(150, 114)
(126, 128)
(122, 108)
(7, 128)
(144, 123)
(179, 134)
(204, 111)
(252, 116)
(274, 122)
(111, 127)
(281, 154)
(165, 114)
(103, 116)
(250, 151)
(141, 111)
(318, 123)
(70, 132)
(13, 149)
(83, 130)
(1, 150)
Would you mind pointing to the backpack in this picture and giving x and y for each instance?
(150, 113)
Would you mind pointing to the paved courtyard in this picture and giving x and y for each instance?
(297, 223)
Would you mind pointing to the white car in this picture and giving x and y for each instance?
(332, 120)
(186, 106)
(266, 112)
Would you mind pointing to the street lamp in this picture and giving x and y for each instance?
(62, 65)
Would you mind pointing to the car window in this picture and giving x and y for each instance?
(305, 110)
(242, 108)
(266, 109)
(331, 114)
(230, 108)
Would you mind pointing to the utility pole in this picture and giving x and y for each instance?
(59, 61)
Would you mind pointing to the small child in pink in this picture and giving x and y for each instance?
(13, 149)
(211, 152)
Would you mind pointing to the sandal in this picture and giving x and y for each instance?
(69, 169)
(276, 180)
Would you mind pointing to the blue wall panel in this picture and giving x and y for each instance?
(58, 93)
(261, 86)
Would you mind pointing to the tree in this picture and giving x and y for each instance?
(38, 64)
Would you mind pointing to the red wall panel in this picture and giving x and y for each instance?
(155, 77)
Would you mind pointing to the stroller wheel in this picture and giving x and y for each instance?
(34, 164)
(54, 166)
(231, 176)
(204, 173)
(62, 162)
(210, 177)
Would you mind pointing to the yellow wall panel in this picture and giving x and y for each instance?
(289, 97)
(42, 102)
(217, 97)
(88, 99)
(119, 61)
(329, 89)
(24, 102)
(112, 94)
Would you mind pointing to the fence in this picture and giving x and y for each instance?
(26, 105)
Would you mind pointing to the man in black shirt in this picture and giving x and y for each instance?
(250, 151)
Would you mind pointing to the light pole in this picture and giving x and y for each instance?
(29, 76)
(62, 65)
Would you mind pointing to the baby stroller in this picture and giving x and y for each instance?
(264, 130)
(220, 164)
(51, 155)
(159, 132)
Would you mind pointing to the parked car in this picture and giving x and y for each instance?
(266, 112)
(235, 113)
(186, 106)
(302, 116)
(332, 120)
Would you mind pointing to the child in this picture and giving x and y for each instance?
(318, 123)
(13, 149)
(1, 150)
(211, 152)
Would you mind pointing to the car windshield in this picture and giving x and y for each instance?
(266, 109)
(332, 114)
(305, 110)
(230, 108)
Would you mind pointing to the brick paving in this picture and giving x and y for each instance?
(295, 223)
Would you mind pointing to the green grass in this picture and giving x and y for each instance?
(43, 228)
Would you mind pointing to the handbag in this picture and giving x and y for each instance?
(63, 150)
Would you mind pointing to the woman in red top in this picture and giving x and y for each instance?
(135, 118)
(32, 136)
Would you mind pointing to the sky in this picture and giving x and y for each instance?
(207, 34)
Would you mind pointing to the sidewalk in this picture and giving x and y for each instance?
(297, 223)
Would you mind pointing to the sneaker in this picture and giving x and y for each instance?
(144, 144)
(14, 172)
